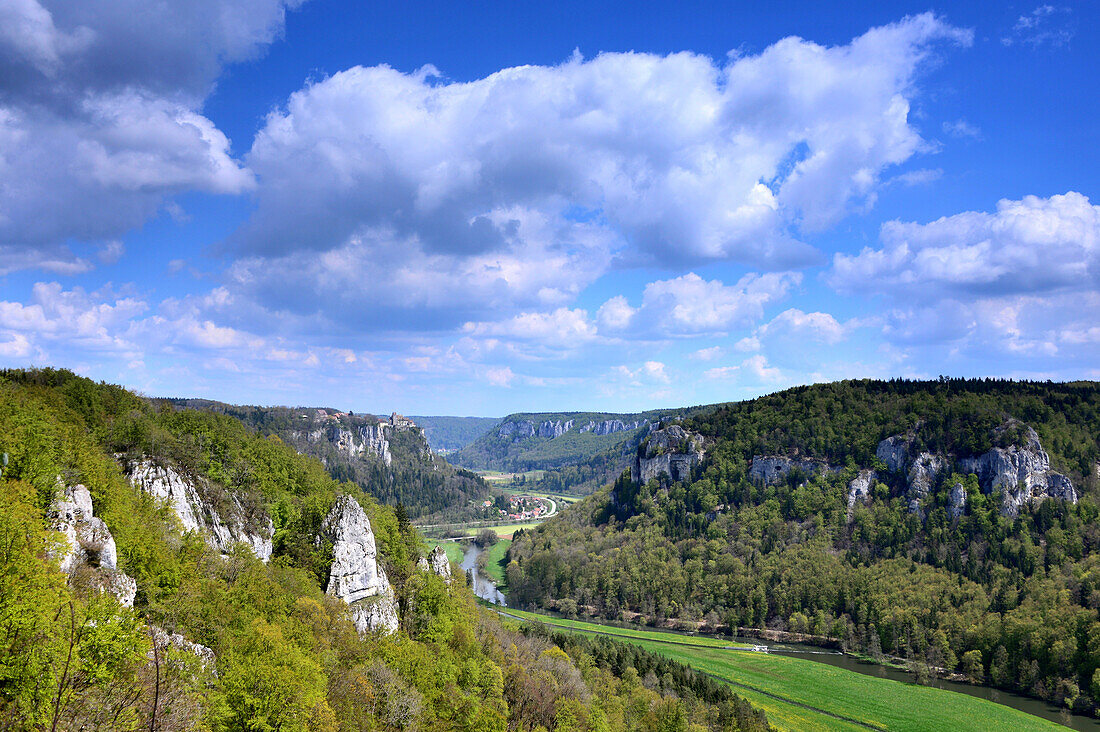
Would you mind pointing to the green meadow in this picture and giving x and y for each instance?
(799, 694)
(493, 562)
(453, 548)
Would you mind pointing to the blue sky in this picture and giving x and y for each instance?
(443, 208)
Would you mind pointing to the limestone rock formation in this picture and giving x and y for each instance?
(437, 562)
(860, 489)
(357, 576)
(1021, 472)
(517, 430)
(554, 428)
(672, 451)
(772, 469)
(514, 431)
(894, 451)
(222, 528)
(87, 542)
(611, 426)
(164, 639)
(375, 442)
(956, 501)
(355, 441)
(923, 474)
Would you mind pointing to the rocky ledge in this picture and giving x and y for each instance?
(1020, 472)
(859, 490)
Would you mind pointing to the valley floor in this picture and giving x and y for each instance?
(800, 694)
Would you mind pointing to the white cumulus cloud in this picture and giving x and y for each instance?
(521, 188)
(100, 115)
(1030, 245)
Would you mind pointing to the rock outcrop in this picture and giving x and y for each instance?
(551, 428)
(956, 501)
(923, 474)
(611, 426)
(375, 442)
(772, 469)
(1021, 472)
(554, 428)
(165, 640)
(672, 451)
(357, 576)
(371, 440)
(894, 451)
(437, 562)
(87, 543)
(859, 490)
(517, 430)
(223, 527)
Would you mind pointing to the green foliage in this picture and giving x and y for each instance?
(1018, 593)
(285, 655)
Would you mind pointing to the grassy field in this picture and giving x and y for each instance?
(459, 531)
(555, 496)
(626, 633)
(495, 476)
(453, 548)
(493, 557)
(800, 694)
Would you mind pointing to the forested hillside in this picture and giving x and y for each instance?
(115, 616)
(391, 461)
(951, 523)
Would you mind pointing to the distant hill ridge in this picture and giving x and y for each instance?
(389, 457)
(579, 450)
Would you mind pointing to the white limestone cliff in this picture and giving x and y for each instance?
(956, 501)
(87, 542)
(771, 469)
(522, 429)
(672, 451)
(222, 528)
(357, 576)
(437, 563)
(860, 490)
(611, 426)
(1021, 472)
(923, 474)
(894, 451)
(355, 441)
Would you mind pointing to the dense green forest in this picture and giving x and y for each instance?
(425, 486)
(1009, 600)
(283, 654)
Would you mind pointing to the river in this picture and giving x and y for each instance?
(487, 590)
(483, 587)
